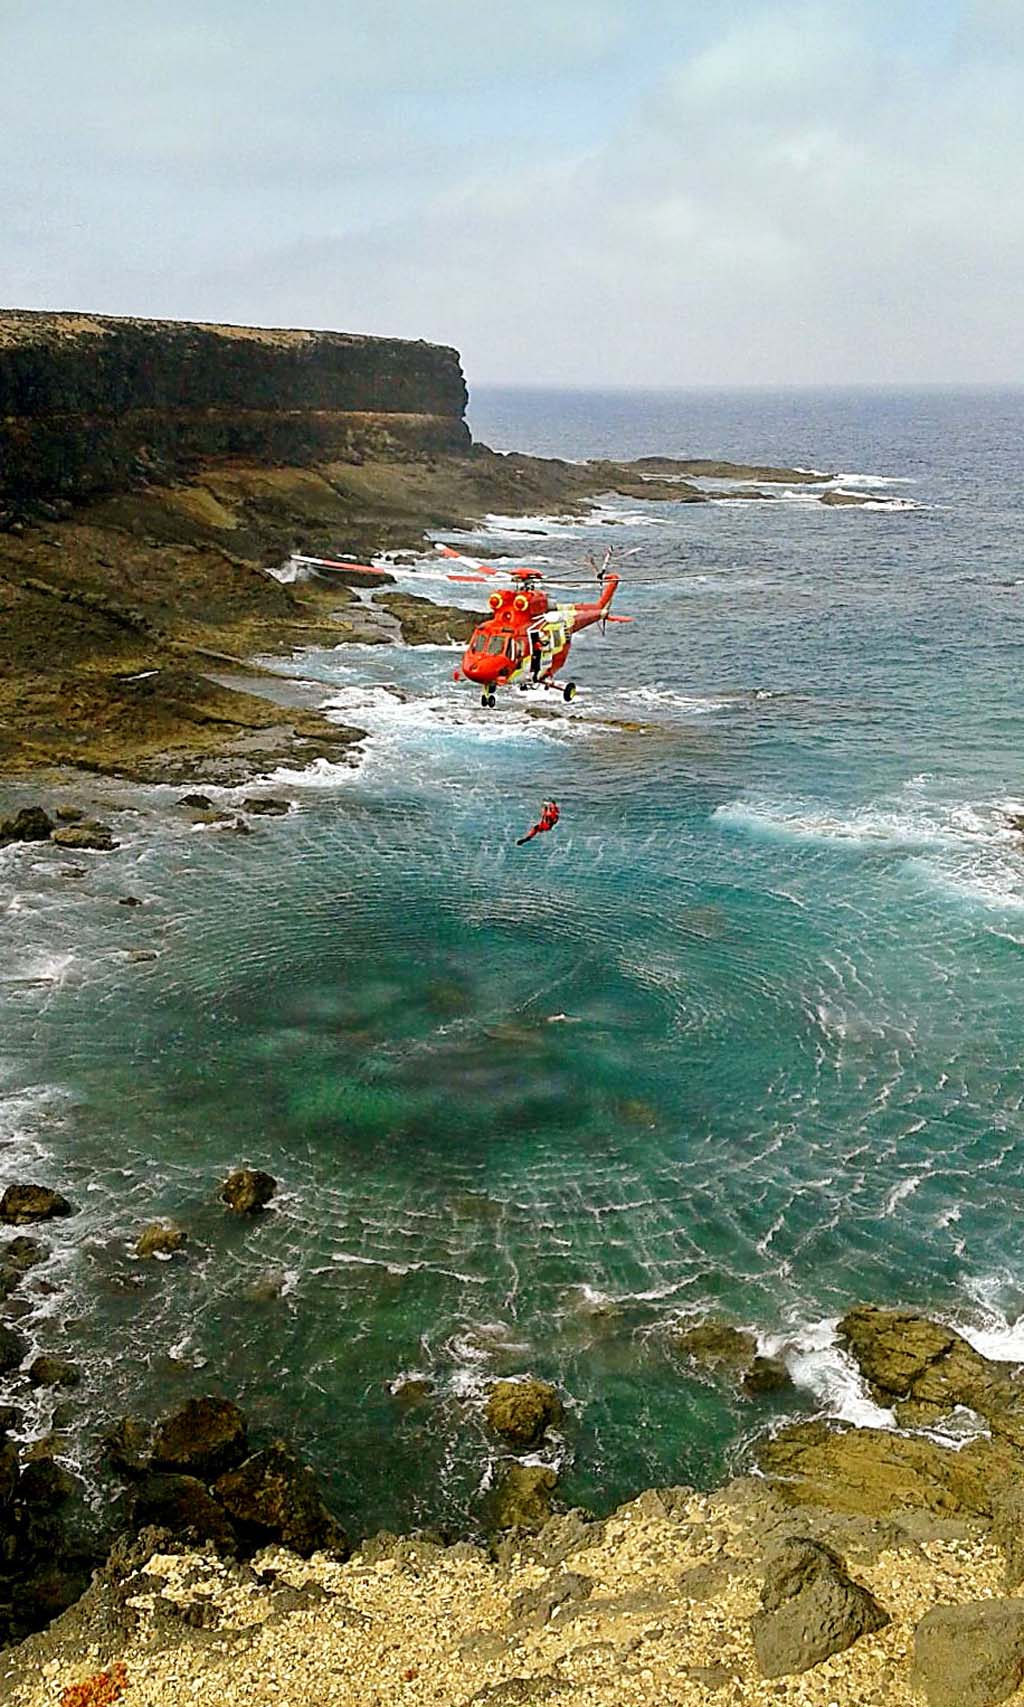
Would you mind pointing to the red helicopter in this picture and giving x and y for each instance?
(525, 641)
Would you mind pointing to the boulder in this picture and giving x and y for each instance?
(873, 1472)
(275, 1497)
(263, 805)
(50, 1371)
(23, 1204)
(766, 1375)
(43, 1482)
(971, 1655)
(206, 1437)
(31, 824)
(248, 1190)
(69, 814)
(810, 1608)
(909, 1357)
(160, 1239)
(197, 802)
(844, 499)
(522, 1498)
(17, 1257)
(13, 1349)
(717, 1345)
(128, 1447)
(182, 1505)
(522, 1411)
(89, 834)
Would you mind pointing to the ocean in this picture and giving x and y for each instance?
(742, 1037)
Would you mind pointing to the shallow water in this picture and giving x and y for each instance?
(741, 1035)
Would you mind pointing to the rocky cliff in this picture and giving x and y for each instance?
(91, 404)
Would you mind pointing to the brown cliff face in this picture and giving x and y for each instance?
(91, 404)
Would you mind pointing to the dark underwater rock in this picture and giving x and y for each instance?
(263, 805)
(206, 1437)
(248, 1190)
(50, 1371)
(13, 1349)
(522, 1498)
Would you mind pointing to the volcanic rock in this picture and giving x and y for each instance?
(266, 806)
(844, 499)
(87, 835)
(874, 1472)
(248, 1190)
(13, 1349)
(198, 802)
(811, 1608)
(128, 1447)
(275, 1496)
(971, 1655)
(204, 1438)
(16, 1258)
(424, 623)
(69, 814)
(522, 1411)
(23, 1204)
(523, 1498)
(184, 1506)
(31, 824)
(718, 1345)
(766, 1375)
(50, 1371)
(160, 1239)
(905, 1356)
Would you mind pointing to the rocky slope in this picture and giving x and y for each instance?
(864, 1568)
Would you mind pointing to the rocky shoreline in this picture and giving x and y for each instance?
(858, 1565)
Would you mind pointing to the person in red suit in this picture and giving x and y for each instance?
(548, 819)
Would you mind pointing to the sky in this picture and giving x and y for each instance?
(572, 192)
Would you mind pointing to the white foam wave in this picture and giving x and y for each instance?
(694, 704)
(816, 1364)
(322, 773)
(872, 480)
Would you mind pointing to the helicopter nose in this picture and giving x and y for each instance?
(481, 667)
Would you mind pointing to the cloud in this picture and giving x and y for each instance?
(803, 191)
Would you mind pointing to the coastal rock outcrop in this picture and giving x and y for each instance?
(424, 623)
(13, 1349)
(522, 1411)
(248, 1190)
(30, 824)
(723, 1349)
(185, 1508)
(206, 1437)
(872, 1471)
(22, 1205)
(275, 1497)
(810, 1608)
(522, 1498)
(905, 1357)
(161, 1239)
(97, 837)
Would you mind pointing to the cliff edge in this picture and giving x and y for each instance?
(91, 404)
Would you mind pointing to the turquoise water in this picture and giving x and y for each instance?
(742, 1035)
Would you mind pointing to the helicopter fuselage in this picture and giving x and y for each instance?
(526, 640)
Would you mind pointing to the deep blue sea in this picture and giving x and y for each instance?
(742, 1037)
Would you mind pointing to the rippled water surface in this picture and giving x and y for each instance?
(742, 1034)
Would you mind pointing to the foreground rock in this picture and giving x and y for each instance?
(522, 1411)
(523, 1498)
(273, 1496)
(970, 1655)
(21, 1205)
(810, 1608)
(185, 1508)
(206, 1437)
(248, 1190)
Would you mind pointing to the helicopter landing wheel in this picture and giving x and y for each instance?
(491, 701)
(484, 697)
(569, 691)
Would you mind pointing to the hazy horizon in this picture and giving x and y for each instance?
(584, 193)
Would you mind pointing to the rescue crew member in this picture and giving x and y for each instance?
(548, 819)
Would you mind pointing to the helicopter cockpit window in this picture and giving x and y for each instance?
(496, 643)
